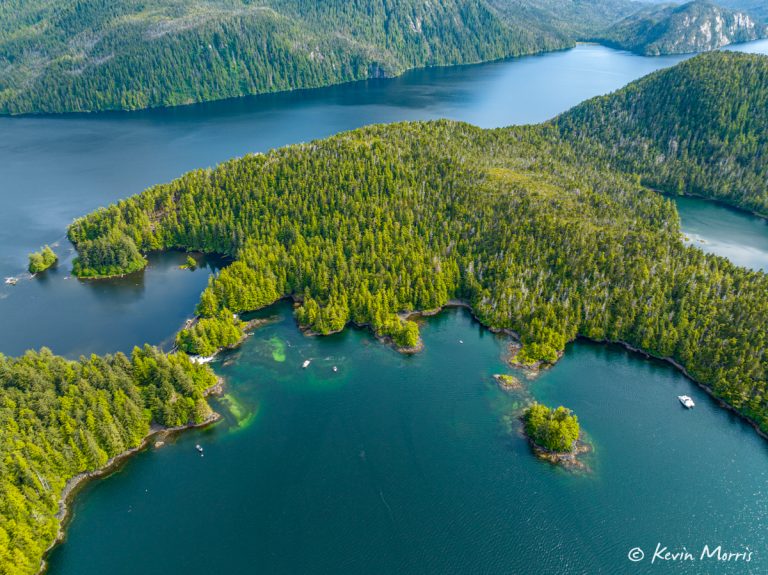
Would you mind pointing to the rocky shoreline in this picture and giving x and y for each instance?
(568, 459)
(508, 382)
(76, 483)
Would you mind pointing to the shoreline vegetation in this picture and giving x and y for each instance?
(405, 217)
(75, 484)
(66, 421)
(567, 459)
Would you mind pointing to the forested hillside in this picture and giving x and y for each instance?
(693, 27)
(574, 19)
(698, 128)
(84, 55)
(60, 418)
(382, 220)
(90, 55)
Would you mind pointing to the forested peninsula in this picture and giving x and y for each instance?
(517, 222)
(59, 56)
(60, 419)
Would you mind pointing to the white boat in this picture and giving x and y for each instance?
(686, 401)
(199, 448)
(305, 364)
(335, 369)
(11, 281)
(201, 359)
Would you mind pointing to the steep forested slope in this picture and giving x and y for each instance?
(90, 55)
(83, 55)
(60, 418)
(693, 27)
(699, 128)
(574, 19)
(378, 221)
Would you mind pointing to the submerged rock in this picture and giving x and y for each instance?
(508, 382)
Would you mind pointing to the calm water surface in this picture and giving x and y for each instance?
(721, 230)
(413, 465)
(393, 464)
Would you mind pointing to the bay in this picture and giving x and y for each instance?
(398, 464)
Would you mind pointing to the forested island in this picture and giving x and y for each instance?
(60, 56)
(554, 431)
(60, 419)
(42, 260)
(535, 234)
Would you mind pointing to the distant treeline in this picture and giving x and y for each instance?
(85, 55)
(91, 55)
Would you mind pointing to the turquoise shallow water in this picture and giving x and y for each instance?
(400, 464)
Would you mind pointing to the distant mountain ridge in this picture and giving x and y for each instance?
(693, 27)
(60, 56)
(757, 8)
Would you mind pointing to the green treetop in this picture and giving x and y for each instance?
(553, 429)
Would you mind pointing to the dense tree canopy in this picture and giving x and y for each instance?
(379, 221)
(552, 429)
(699, 128)
(84, 55)
(42, 260)
(60, 418)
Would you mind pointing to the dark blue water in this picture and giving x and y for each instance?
(414, 465)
